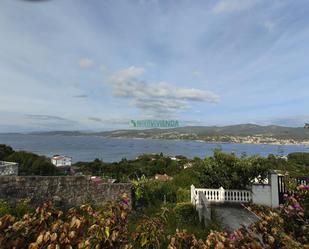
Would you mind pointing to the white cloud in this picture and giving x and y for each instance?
(269, 25)
(155, 97)
(85, 63)
(127, 74)
(233, 5)
(290, 121)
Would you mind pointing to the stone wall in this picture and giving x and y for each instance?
(8, 168)
(65, 191)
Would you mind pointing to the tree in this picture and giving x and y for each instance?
(5, 151)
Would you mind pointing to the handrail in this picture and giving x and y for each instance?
(221, 195)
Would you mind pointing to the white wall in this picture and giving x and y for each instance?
(274, 190)
(266, 194)
(62, 162)
(261, 194)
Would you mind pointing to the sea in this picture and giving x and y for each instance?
(88, 148)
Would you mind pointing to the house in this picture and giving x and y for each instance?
(8, 168)
(187, 165)
(61, 161)
(163, 178)
(174, 158)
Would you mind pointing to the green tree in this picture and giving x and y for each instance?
(5, 151)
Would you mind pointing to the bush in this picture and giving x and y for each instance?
(21, 208)
(183, 195)
(299, 158)
(4, 208)
(85, 227)
(5, 151)
(185, 213)
(156, 192)
(32, 164)
(18, 210)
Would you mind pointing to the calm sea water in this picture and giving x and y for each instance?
(87, 148)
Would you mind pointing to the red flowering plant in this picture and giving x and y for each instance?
(81, 228)
(295, 213)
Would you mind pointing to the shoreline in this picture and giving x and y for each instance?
(305, 143)
(278, 143)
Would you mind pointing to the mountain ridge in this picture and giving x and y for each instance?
(198, 132)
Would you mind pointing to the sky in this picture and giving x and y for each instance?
(97, 64)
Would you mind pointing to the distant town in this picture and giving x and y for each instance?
(242, 133)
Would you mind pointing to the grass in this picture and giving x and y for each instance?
(191, 223)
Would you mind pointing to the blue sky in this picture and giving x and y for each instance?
(96, 64)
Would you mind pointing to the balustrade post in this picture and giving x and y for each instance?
(221, 194)
(193, 194)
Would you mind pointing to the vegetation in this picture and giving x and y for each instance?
(109, 227)
(18, 210)
(226, 170)
(29, 163)
(5, 151)
(161, 208)
(299, 158)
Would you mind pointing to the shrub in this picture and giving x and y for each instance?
(83, 228)
(18, 210)
(21, 208)
(5, 151)
(183, 195)
(299, 158)
(185, 213)
(150, 231)
(4, 208)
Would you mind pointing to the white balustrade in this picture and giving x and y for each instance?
(221, 195)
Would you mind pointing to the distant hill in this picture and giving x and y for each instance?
(60, 133)
(201, 132)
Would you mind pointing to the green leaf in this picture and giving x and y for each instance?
(144, 241)
(107, 232)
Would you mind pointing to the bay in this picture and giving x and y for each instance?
(87, 148)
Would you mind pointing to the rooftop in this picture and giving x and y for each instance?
(58, 157)
(3, 163)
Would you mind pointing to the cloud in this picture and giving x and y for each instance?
(155, 97)
(44, 117)
(95, 119)
(51, 121)
(161, 108)
(128, 74)
(269, 25)
(113, 121)
(81, 96)
(85, 63)
(290, 121)
(233, 5)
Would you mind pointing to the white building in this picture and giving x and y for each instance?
(61, 161)
(8, 168)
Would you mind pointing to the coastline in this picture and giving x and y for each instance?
(304, 143)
